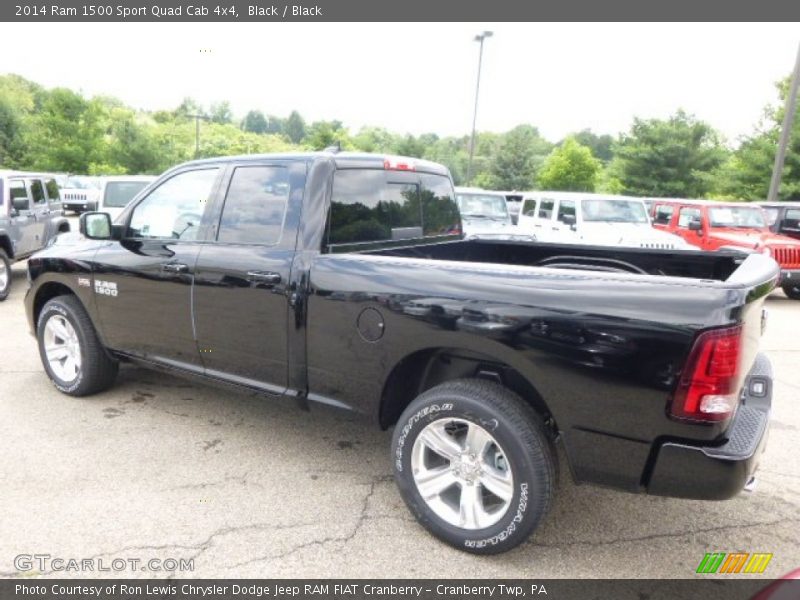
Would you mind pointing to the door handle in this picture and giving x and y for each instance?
(264, 277)
(174, 267)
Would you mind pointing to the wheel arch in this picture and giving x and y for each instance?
(47, 291)
(5, 244)
(423, 369)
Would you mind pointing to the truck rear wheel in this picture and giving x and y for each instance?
(71, 352)
(792, 290)
(474, 464)
(5, 275)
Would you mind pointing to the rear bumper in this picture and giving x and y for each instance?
(720, 472)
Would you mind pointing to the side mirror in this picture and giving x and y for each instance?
(695, 225)
(568, 220)
(95, 225)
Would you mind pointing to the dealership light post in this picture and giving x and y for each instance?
(197, 118)
(478, 38)
(788, 120)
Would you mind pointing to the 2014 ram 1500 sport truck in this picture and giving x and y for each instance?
(343, 279)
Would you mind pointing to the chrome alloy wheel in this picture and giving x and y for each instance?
(4, 275)
(62, 348)
(462, 473)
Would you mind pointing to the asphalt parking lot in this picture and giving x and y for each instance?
(161, 468)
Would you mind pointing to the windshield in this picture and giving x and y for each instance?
(614, 211)
(748, 217)
(119, 193)
(482, 205)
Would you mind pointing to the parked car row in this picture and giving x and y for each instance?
(711, 225)
(668, 224)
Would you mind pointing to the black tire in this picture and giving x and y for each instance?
(5, 282)
(792, 290)
(521, 437)
(98, 370)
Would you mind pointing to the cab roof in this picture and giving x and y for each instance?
(343, 160)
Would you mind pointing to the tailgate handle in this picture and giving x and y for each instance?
(264, 277)
(174, 267)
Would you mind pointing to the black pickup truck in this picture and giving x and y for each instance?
(343, 279)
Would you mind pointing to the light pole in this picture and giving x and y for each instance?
(478, 38)
(197, 118)
(786, 131)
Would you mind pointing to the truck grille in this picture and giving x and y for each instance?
(74, 196)
(788, 258)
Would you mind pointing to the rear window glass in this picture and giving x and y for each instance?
(546, 209)
(52, 190)
(119, 193)
(368, 206)
(37, 189)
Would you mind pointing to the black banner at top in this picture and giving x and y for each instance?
(396, 10)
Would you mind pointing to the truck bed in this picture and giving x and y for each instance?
(715, 266)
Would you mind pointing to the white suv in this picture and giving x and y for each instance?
(593, 219)
(117, 191)
(483, 212)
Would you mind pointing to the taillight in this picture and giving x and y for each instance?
(395, 163)
(708, 389)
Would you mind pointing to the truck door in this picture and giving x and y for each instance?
(687, 228)
(565, 224)
(41, 212)
(143, 283)
(240, 301)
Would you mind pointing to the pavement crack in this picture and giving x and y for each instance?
(360, 520)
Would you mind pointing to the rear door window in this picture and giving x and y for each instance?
(37, 191)
(53, 195)
(546, 209)
(255, 206)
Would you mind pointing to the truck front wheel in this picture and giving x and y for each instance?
(792, 290)
(5, 276)
(71, 352)
(474, 464)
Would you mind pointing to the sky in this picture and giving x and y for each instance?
(420, 77)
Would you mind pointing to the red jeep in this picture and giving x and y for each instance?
(731, 226)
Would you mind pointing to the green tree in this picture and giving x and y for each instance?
(676, 157)
(255, 122)
(220, 112)
(747, 175)
(322, 134)
(68, 133)
(518, 158)
(295, 127)
(600, 145)
(569, 167)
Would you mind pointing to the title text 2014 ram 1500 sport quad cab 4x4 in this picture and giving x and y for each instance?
(336, 278)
